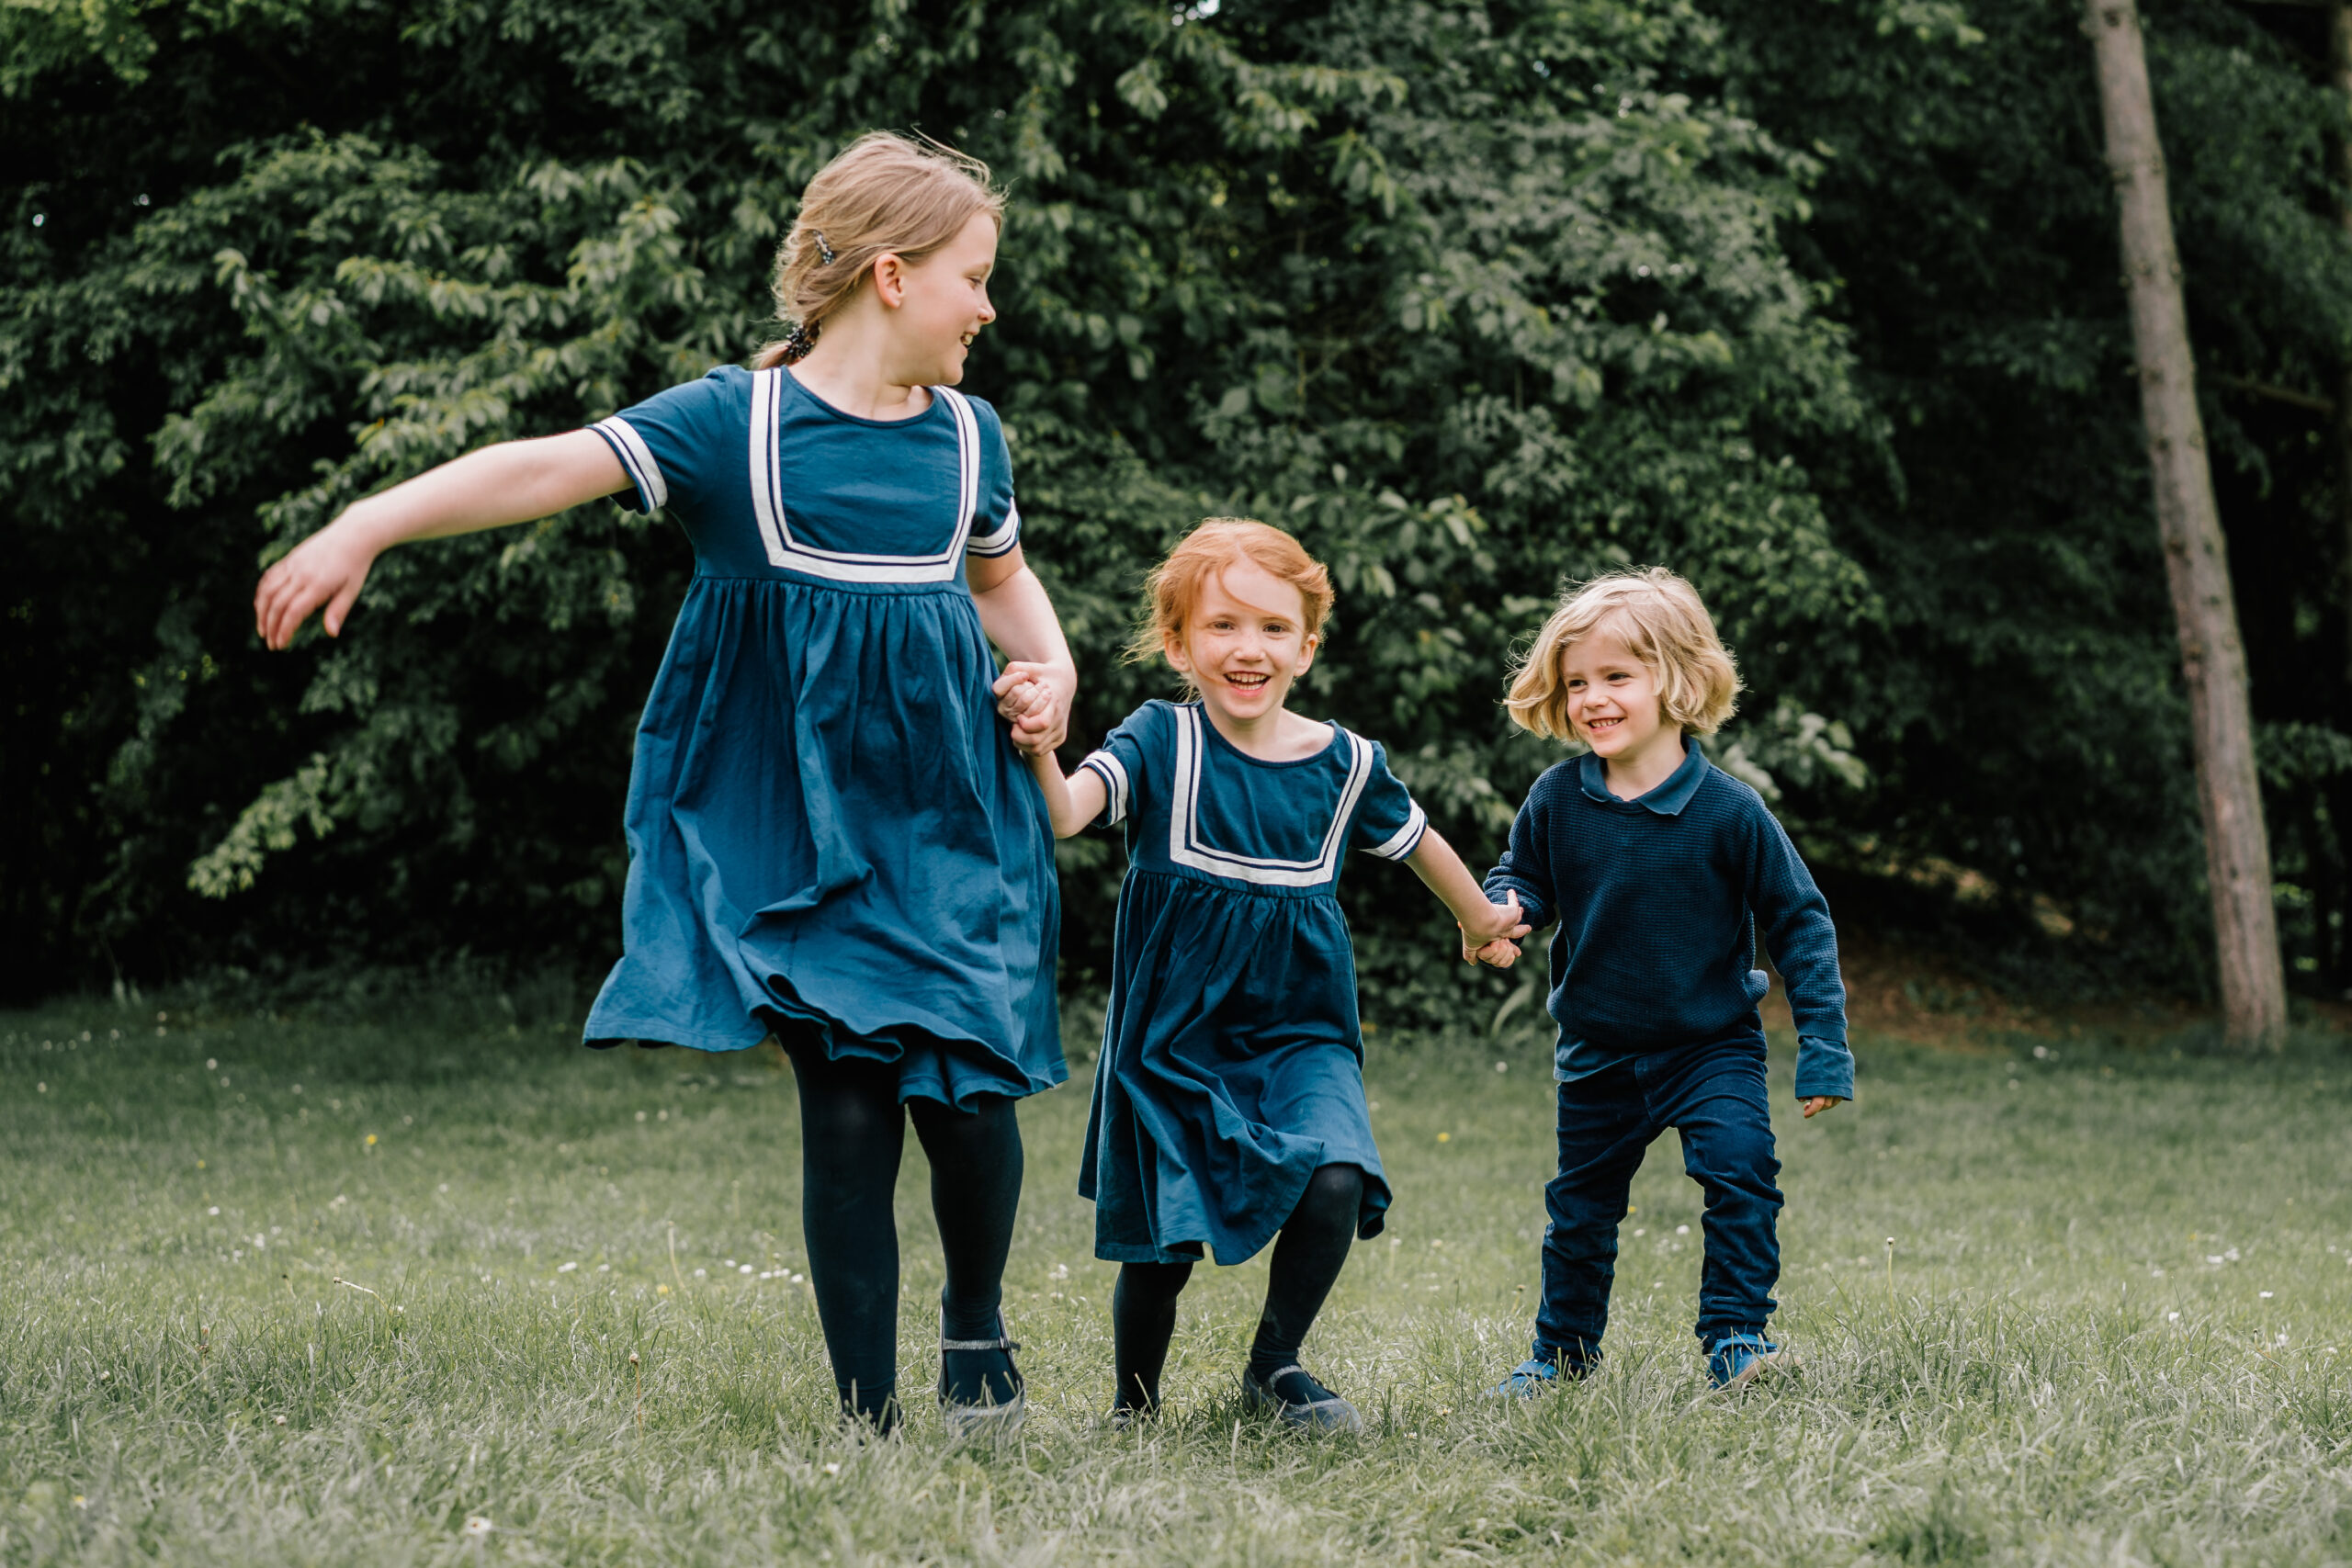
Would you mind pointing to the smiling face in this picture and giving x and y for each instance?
(1612, 697)
(942, 302)
(1244, 642)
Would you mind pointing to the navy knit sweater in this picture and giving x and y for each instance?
(1654, 899)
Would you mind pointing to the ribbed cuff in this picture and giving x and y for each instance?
(1825, 1068)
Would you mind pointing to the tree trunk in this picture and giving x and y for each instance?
(2237, 850)
(2339, 60)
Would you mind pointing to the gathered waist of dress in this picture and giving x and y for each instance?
(1171, 877)
(781, 579)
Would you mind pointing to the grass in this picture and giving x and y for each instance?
(246, 1322)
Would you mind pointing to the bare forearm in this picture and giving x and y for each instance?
(1071, 804)
(513, 481)
(1019, 618)
(1434, 861)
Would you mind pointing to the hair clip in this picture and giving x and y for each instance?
(800, 341)
(824, 251)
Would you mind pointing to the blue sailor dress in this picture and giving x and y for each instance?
(827, 821)
(1232, 1057)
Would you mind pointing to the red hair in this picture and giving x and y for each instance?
(1174, 586)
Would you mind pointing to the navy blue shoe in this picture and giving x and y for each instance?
(1739, 1359)
(1003, 1400)
(1293, 1398)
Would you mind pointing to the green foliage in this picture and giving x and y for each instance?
(2024, 716)
(1472, 298)
(1814, 302)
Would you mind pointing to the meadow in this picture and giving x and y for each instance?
(421, 1281)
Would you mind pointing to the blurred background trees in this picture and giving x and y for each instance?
(1815, 300)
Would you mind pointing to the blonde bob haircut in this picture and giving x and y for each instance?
(882, 195)
(1663, 620)
(1174, 589)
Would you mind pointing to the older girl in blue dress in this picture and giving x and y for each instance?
(1229, 1104)
(831, 839)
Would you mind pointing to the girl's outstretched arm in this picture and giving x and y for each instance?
(513, 481)
(1482, 921)
(1019, 618)
(1070, 803)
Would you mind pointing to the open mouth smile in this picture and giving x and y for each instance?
(1246, 681)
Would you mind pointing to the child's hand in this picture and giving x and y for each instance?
(329, 568)
(1500, 953)
(1492, 920)
(1819, 1103)
(1036, 698)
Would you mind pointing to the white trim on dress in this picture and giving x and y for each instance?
(1116, 791)
(637, 458)
(849, 566)
(1186, 848)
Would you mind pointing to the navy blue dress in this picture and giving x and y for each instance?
(827, 820)
(1232, 1059)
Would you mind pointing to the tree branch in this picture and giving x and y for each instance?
(2287, 395)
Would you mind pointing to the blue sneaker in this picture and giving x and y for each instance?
(1739, 1359)
(1527, 1380)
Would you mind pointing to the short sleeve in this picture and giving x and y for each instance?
(1121, 763)
(673, 443)
(1389, 822)
(996, 525)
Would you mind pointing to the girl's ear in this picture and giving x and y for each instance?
(1172, 649)
(1306, 646)
(890, 279)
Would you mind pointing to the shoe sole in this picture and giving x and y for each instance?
(968, 1421)
(1766, 1365)
(1333, 1416)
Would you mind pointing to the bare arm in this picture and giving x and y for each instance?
(1482, 921)
(1071, 802)
(1019, 618)
(513, 481)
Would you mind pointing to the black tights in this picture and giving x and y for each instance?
(851, 1133)
(1313, 1245)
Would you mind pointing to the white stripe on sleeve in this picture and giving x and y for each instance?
(1406, 838)
(1114, 775)
(1002, 539)
(637, 458)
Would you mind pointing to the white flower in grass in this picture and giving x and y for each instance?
(702, 1273)
(743, 1268)
(2267, 1294)
(833, 1469)
(1682, 1230)
(565, 1268)
(2171, 1317)
(478, 1525)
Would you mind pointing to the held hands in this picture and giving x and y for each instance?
(1036, 698)
(1487, 938)
(329, 568)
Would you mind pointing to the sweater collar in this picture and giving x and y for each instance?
(1668, 798)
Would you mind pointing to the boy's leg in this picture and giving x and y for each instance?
(1718, 1102)
(1308, 1257)
(851, 1133)
(1143, 1320)
(1604, 1128)
(975, 1169)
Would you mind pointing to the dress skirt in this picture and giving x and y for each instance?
(1231, 1068)
(828, 823)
